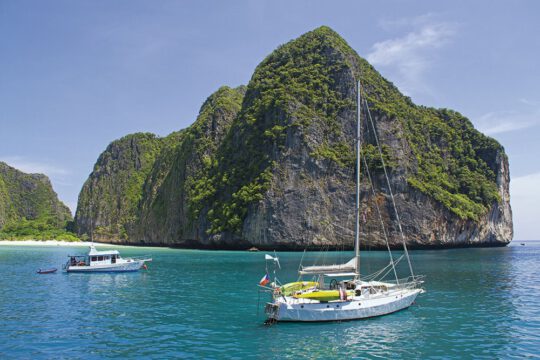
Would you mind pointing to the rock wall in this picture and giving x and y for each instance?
(166, 211)
(108, 201)
(29, 197)
(272, 165)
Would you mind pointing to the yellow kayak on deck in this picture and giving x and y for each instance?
(290, 288)
(322, 295)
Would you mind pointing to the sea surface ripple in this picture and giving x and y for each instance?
(479, 304)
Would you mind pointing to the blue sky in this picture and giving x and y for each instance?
(75, 75)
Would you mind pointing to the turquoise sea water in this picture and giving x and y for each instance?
(480, 303)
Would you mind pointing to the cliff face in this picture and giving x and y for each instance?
(106, 210)
(27, 198)
(166, 212)
(274, 167)
(139, 189)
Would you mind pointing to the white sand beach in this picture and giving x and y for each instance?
(51, 243)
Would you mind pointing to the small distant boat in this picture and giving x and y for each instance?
(47, 271)
(522, 244)
(104, 261)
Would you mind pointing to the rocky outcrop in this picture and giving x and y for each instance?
(139, 188)
(166, 212)
(272, 165)
(28, 198)
(107, 205)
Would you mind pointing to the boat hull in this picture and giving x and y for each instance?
(122, 267)
(288, 309)
(48, 271)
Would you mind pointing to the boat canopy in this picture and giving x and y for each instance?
(94, 252)
(348, 267)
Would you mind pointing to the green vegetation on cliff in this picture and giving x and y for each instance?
(291, 88)
(109, 198)
(297, 109)
(163, 164)
(303, 82)
(454, 163)
(29, 207)
(179, 189)
(201, 142)
(177, 193)
(142, 182)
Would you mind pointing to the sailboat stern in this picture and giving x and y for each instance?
(272, 311)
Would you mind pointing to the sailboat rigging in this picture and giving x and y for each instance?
(357, 296)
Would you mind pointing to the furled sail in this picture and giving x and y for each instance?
(349, 266)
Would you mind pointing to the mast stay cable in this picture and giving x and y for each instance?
(389, 189)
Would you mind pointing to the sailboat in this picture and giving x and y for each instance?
(356, 296)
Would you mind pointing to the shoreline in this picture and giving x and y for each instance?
(49, 243)
(54, 243)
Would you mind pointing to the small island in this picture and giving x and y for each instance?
(30, 209)
(270, 165)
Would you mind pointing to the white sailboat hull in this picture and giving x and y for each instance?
(291, 309)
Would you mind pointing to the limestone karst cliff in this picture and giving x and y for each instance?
(29, 207)
(108, 201)
(272, 166)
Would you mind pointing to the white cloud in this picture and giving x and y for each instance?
(529, 102)
(525, 197)
(411, 55)
(504, 121)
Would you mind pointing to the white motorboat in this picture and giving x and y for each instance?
(104, 261)
(356, 297)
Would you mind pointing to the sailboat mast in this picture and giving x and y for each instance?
(357, 226)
